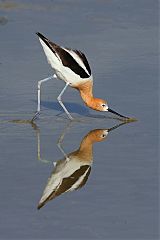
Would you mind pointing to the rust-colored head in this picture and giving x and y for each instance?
(97, 135)
(98, 104)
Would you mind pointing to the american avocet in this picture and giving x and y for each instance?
(72, 172)
(72, 67)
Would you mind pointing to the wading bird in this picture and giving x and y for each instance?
(73, 68)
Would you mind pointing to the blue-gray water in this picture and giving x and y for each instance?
(120, 198)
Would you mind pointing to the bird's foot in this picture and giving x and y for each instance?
(35, 116)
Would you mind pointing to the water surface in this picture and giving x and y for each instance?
(119, 199)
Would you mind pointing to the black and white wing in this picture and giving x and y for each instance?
(66, 61)
(66, 177)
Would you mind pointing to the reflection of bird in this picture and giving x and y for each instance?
(72, 172)
(72, 67)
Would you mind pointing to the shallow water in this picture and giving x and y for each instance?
(119, 199)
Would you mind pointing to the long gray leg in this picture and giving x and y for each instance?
(61, 103)
(39, 96)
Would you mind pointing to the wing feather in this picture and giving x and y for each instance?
(73, 59)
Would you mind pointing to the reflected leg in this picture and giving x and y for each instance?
(60, 140)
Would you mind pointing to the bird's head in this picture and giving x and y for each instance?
(101, 105)
(98, 135)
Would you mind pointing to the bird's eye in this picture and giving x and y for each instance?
(103, 136)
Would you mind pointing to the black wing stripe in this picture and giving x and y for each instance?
(70, 62)
(47, 42)
(66, 58)
(84, 60)
(68, 182)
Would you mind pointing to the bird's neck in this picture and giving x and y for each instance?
(86, 92)
(85, 151)
(86, 146)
